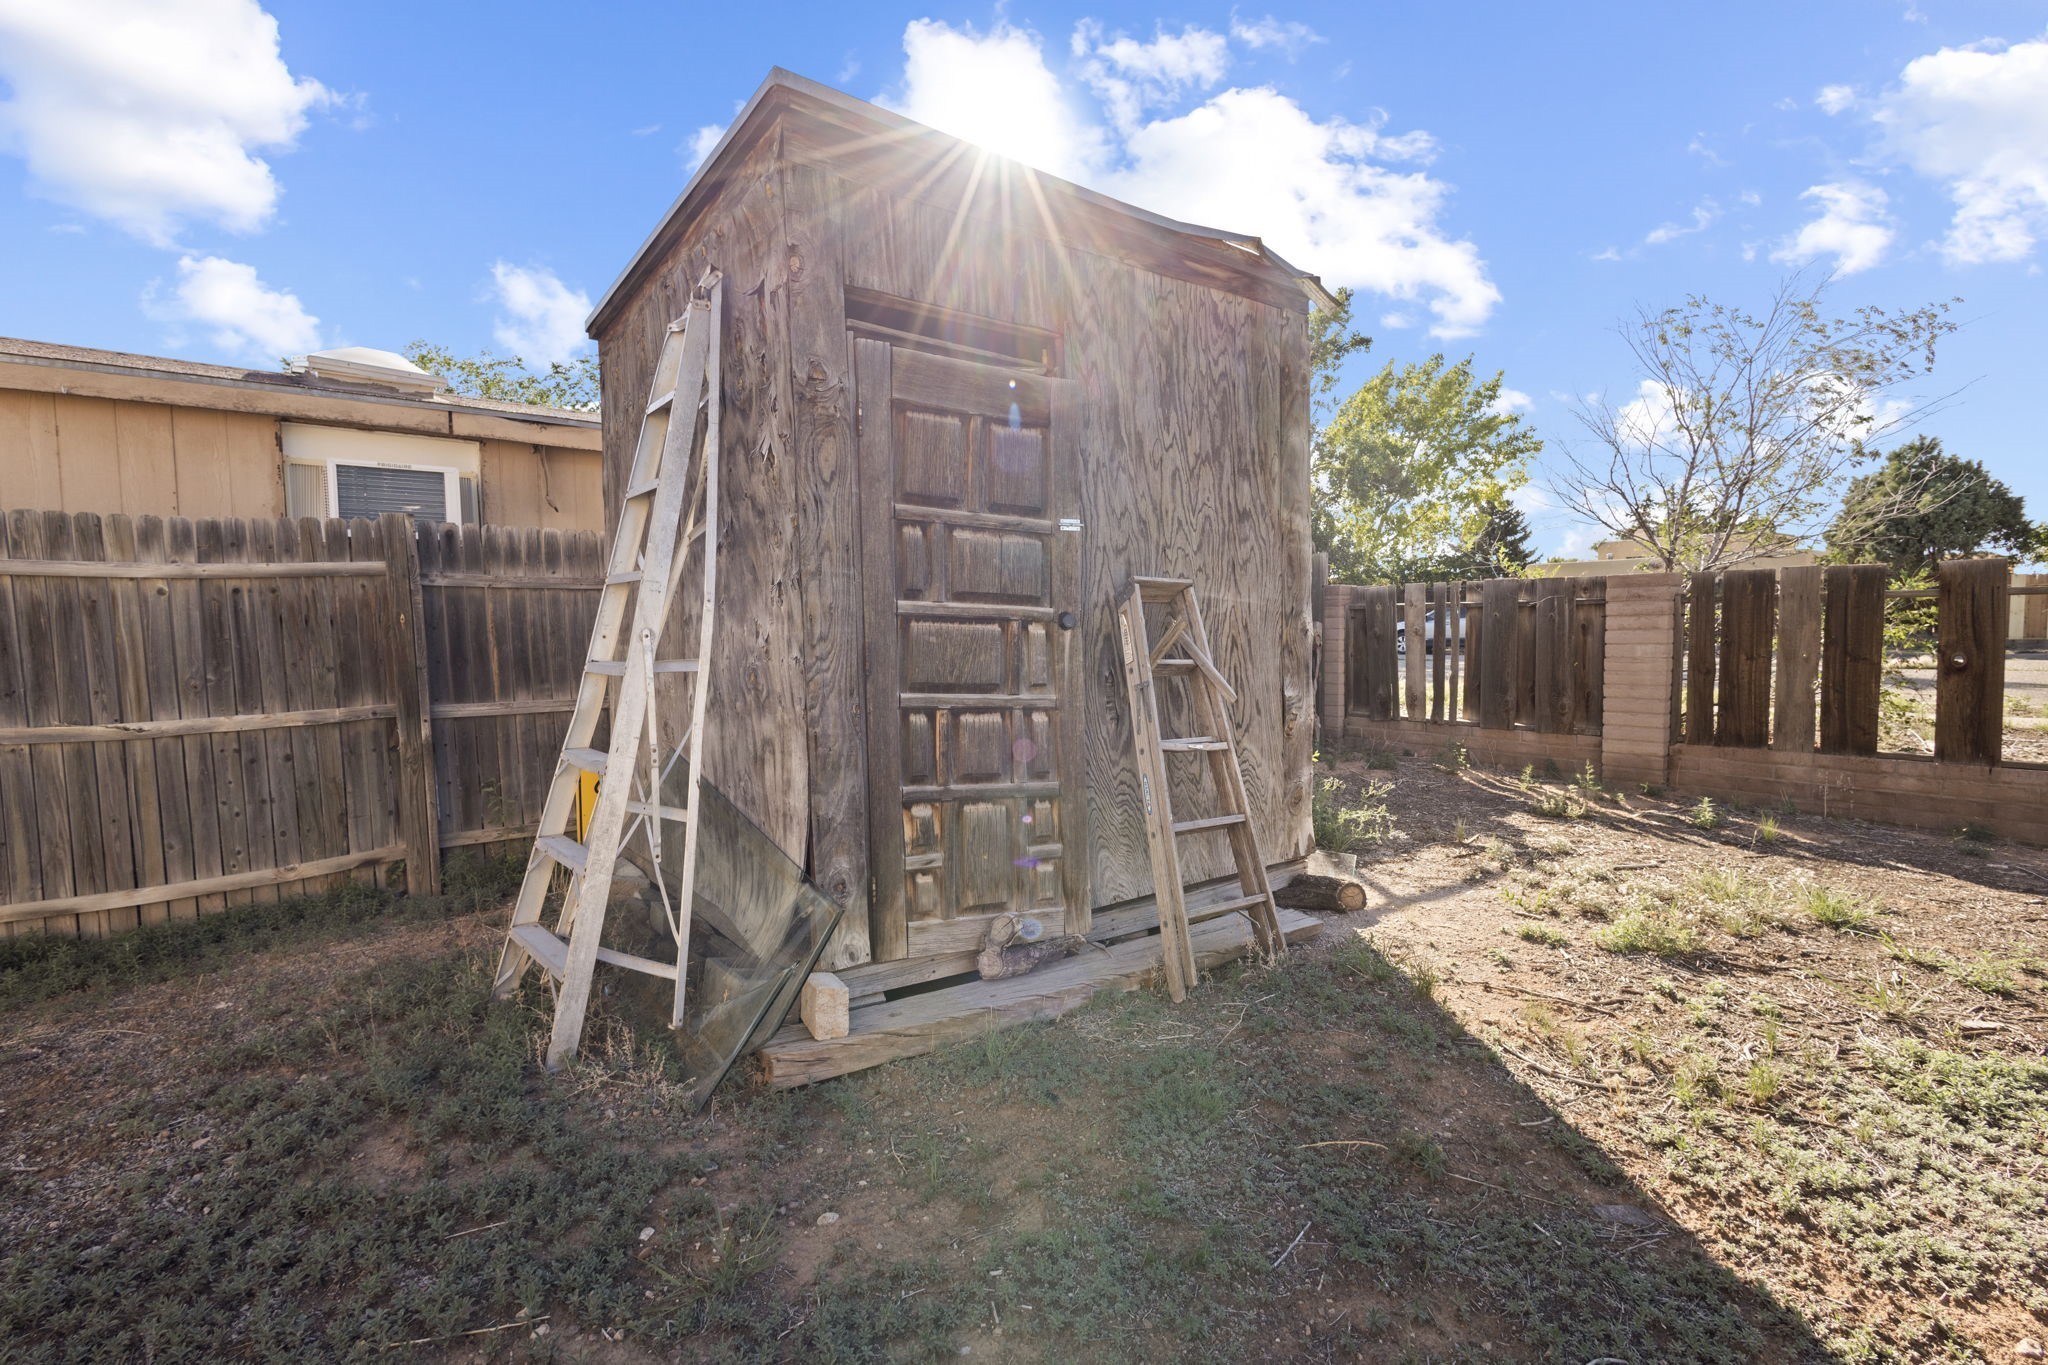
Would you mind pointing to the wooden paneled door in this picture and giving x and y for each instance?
(971, 561)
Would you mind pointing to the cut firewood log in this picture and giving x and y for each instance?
(1324, 895)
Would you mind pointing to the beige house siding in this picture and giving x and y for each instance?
(100, 431)
(545, 486)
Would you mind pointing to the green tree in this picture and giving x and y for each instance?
(564, 384)
(1408, 470)
(1500, 550)
(1331, 341)
(1923, 505)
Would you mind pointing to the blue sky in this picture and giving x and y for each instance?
(220, 180)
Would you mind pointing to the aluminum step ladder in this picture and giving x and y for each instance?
(669, 517)
(1209, 694)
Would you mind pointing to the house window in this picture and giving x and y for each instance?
(344, 472)
(425, 494)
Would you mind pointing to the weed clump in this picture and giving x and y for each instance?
(1705, 814)
(1657, 930)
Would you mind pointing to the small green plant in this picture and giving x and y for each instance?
(1704, 814)
(1425, 1154)
(1340, 825)
(1453, 758)
(1657, 930)
(1382, 758)
(1763, 1082)
(1767, 831)
(1558, 805)
(1550, 936)
(1993, 976)
(1837, 909)
(1894, 998)
(1974, 833)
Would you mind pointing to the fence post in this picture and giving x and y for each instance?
(1973, 615)
(1640, 677)
(1336, 657)
(418, 802)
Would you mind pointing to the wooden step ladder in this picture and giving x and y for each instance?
(670, 510)
(1209, 693)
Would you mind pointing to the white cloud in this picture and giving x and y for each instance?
(1511, 401)
(1833, 99)
(541, 319)
(996, 90)
(248, 319)
(1607, 253)
(1397, 319)
(151, 115)
(1703, 215)
(1853, 227)
(1248, 160)
(1976, 118)
(1130, 77)
(1289, 36)
(700, 145)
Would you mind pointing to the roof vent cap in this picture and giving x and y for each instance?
(367, 365)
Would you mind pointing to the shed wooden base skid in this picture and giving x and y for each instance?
(890, 1030)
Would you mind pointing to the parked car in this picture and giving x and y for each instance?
(1428, 632)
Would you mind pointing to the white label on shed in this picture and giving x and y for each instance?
(1070, 523)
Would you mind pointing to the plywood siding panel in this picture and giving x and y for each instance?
(148, 462)
(28, 449)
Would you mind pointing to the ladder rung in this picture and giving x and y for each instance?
(612, 580)
(637, 964)
(589, 760)
(616, 668)
(1205, 744)
(673, 813)
(563, 850)
(658, 404)
(1241, 903)
(1213, 822)
(543, 947)
(641, 490)
(1173, 666)
(1162, 589)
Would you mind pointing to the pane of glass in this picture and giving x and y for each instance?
(757, 929)
(470, 516)
(305, 490)
(372, 490)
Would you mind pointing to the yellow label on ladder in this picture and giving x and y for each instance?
(586, 803)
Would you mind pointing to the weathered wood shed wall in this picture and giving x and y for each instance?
(1187, 358)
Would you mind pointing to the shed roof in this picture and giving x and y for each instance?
(785, 90)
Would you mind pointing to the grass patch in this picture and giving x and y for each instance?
(1837, 909)
(1341, 821)
(1548, 935)
(42, 966)
(1658, 930)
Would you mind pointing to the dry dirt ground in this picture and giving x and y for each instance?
(1595, 1076)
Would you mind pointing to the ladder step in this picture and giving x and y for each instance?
(1191, 744)
(1213, 822)
(1162, 589)
(677, 814)
(641, 490)
(1174, 666)
(543, 947)
(616, 668)
(613, 580)
(589, 760)
(1241, 903)
(658, 404)
(631, 963)
(563, 850)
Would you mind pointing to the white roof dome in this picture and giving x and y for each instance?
(368, 365)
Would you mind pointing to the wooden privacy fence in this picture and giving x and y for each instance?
(195, 714)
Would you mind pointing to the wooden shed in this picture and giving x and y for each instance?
(963, 403)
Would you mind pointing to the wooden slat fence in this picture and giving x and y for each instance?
(1793, 659)
(196, 714)
(1532, 658)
